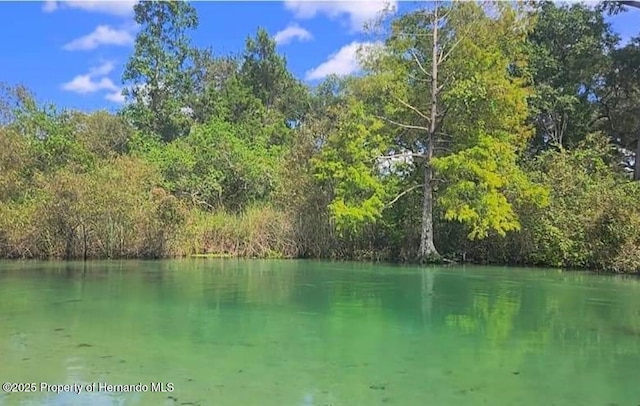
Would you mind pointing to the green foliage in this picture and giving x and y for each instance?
(101, 134)
(620, 101)
(114, 211)
(590, 221)
(570, 50)
(482, 176)
(348, 162)
(481, 109)
(245, 158)
(265, 73)
(226, 98)
(218, 165)
(160, 73)
(15, 159)
(487, 91)
(52, 137)
(592, 213)
(485, 181)
(13, 101)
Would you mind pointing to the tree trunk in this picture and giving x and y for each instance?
(636, 171)
(427, 247)
(428, 277)
(428, 250)
(70, 238)
(84, 243)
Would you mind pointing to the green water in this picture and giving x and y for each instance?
(242, 333)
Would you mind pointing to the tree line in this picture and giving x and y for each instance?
(488, 132)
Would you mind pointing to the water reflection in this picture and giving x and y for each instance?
(265, 332)
(427, 280)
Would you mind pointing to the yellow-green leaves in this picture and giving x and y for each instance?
(483, 182)
(481, 108)
(348, 164)
(486, 102)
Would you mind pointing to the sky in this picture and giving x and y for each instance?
(72, 53)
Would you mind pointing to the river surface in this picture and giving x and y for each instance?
(305, 333)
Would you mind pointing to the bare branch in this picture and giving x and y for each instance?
(446, 15)
(442, 57)
(443, 116)
(409, 126)
(418, 79)
(411, 189)
(415, 57)
(444, 112)
(416, 110)
(444, 135)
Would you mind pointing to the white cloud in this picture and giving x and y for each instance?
(122, 8)
(342, 63)
(102, 70)
(115, 96)
(49, 6)
(93, 81)
(102, 35)
(357, 12)
(293, 31)
(84, 84)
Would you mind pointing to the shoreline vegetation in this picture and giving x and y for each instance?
(479, 133)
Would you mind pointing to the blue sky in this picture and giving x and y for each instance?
(72, 53)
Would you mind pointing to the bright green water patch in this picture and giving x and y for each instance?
(243, 333)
